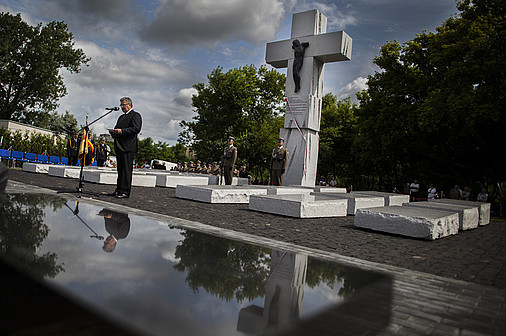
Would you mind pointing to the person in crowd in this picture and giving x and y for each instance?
(243, 172)
(216, 169)
(73, 149)
(279, 162)
(125, 134)
(431, 193)
(414, 187)
(455, 193)
(466, 194)
(483, 196)
(102, 152)
(333, 182)
(228, 160)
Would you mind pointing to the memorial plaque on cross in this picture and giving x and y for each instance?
(305, 55)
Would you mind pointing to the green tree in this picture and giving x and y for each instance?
(22, 231)
(236, 103)
(435, 112)
(149, 150)
(337, 132)
(30, 62)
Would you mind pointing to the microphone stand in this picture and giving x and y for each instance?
(75, 212)
(79, 189)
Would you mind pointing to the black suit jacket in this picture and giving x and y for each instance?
(130, 124)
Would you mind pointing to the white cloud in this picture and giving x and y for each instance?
(184, 96)
(350, 89)
(337, 17)
(152, 85)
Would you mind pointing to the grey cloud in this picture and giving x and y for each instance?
(183, 22)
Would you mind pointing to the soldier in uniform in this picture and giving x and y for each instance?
(215, 169)
(73, 149)
(228, 160)
(102, 152)
(279, 161)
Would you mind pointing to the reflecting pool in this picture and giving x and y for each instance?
(151, 277)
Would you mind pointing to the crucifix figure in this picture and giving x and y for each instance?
(304, 88)
(298, 55)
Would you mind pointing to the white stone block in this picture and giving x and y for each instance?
(299, 205)
(100, 177)
(483, 206)
(413, 222)
(330, 190)
(64, 171)
(172, 181)
(216, 180)
(218, 193)
(468, 215)
(356, 201)
(390, 198)
(139, 180)
(36, 167)
(336, 190)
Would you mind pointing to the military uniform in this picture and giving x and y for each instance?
(102, 153)
(229, 157)
(72, 151)
(279, 161)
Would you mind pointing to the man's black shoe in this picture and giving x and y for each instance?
(122, 196)
(113, 194)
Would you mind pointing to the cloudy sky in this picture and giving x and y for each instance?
(154, 51)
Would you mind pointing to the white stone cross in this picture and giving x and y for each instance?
(303, 111)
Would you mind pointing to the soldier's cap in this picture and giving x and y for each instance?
(281, 139)
(102, 138)
(231, 138)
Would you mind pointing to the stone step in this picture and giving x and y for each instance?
(109, 177)
(36, 167)
(390, 198)
(484, 208)
(64, 171)
(299, 205)
(355, 201)
(468, 215)
(172, 181)
(219, 193)
(407, 221)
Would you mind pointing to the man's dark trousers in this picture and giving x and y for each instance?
(125, 164)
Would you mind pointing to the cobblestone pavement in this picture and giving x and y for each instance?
(451, 286)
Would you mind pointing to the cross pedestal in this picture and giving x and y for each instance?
(303, 111)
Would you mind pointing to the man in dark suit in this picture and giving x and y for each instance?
(125, 145)
(117, 224)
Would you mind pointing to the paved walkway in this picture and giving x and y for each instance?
(451, 286)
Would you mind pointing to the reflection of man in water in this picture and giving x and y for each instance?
(117, 224)
(299, 50)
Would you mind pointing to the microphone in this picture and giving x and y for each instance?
(115, 108)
